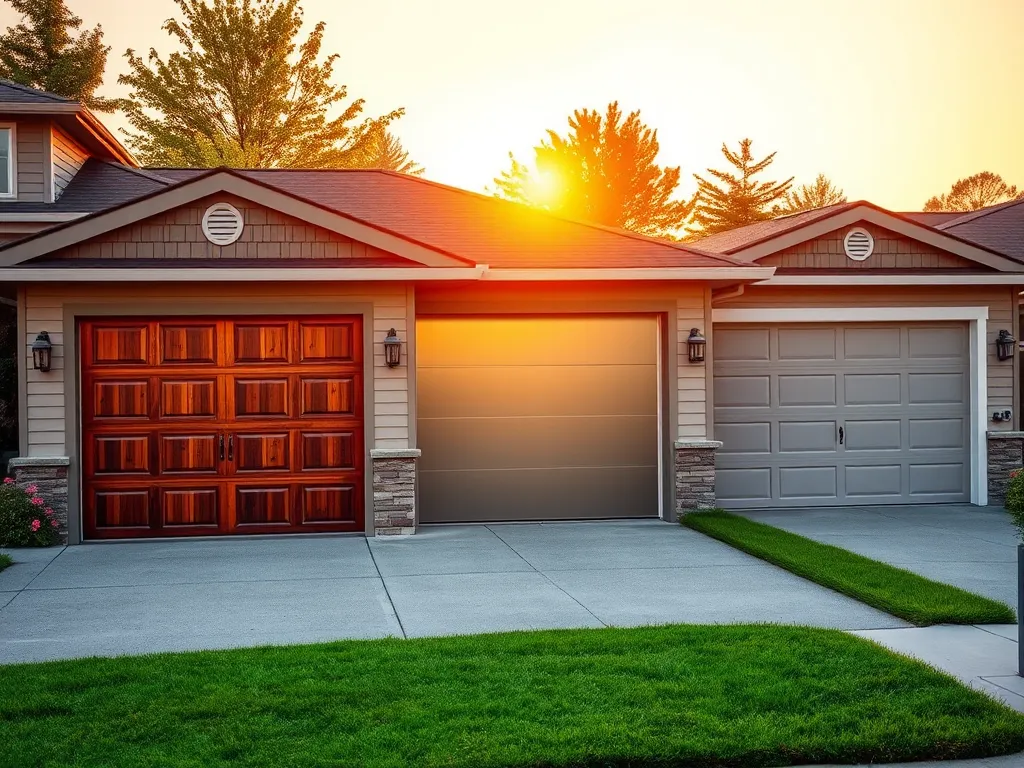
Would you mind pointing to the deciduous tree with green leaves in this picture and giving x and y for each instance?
(807, 197)
(737, 198)
(243, 91)
(45, 50)
(978, 191)
(602, 171)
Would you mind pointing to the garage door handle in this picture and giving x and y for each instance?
(220, 443)
(840, 435)
(231, 447)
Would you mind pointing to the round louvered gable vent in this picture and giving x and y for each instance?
(858, 244)
(222, 224)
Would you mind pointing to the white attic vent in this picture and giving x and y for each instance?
(858, 244)
(222, 224)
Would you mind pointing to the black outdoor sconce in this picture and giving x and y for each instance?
(392, 349)
(1004, 345)
(695, 346)
(41, 351)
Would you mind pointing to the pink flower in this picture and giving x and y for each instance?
(55, 524)
(31, 489)
(49, 512)
(37, 501)
(35, 525)
(8, 481)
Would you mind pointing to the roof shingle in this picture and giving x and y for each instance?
(22, 94)
(998, 228)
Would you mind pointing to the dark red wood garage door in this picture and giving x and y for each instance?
(208, 426)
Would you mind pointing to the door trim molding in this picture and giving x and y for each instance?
(976, 317)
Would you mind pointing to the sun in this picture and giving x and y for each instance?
(545, 188)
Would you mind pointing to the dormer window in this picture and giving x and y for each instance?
(7, 160)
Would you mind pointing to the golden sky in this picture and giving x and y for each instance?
(892, 99)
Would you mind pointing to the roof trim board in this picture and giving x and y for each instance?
(887, 278)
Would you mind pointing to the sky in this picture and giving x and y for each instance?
(894, 100)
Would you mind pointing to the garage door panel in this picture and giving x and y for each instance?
(808, 482)
(742, 344)
(872, 343)
(119, 344)
(874, 480)
(931, 479)
(180, 454)
(121, 507)
(801, 390)
(807, 344)
(935, 388)
(746, 438)
(193, 344)
(264, 342)
(262, 505)
(948, 343)
(743, 391)
(121, 454)
(188, 398)
(120, 400)
(807, 436)
(937, 433)
(539, 494)
(536, 391)
(186, 507)
(605, 441)
(744, 484)
(872, 388)
(873, 435)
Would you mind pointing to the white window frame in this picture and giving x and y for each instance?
(12, 167)
(977, 317)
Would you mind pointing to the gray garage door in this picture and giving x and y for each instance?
(841, 414)
(537, 418)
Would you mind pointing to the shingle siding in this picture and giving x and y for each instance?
(67, 157)
(32, 161)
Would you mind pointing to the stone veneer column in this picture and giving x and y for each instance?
(695, 475)
(50, 474)
(394, 490)
(1005, 454)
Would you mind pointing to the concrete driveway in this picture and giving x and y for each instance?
(970, 547)
(128, 598)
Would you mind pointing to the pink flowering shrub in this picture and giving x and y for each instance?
(25, 520)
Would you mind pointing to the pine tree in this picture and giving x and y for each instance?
(602, 171)
(242, 92)
(738, 199)
(978, 191)
(806, 197)
(384, 150)
(46, 51)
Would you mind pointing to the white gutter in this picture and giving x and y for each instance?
(996, 278)
(637, 273)
(236, 274)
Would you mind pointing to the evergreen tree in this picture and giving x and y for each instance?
(737, 199)
(602, 171)
(978, 191)
(384, 150)
(242, 92)
(806, 197)
(46, 51)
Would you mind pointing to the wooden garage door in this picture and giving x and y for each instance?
(221, 426)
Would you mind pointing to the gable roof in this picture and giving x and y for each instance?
(404, 211)
(739, 238)
(931, 218)
(999, 227)
(11, 91)
(98, 185)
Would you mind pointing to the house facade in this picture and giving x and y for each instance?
(221, 357)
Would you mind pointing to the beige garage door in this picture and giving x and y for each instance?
(841, 414)
(537, 418)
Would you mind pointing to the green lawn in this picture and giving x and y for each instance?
(894, 590)
(659, 696)
(5, 562)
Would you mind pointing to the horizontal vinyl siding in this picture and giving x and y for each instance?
(32, 159)
(68, 158)
(48, 412)
(999, 300)
(691, 378)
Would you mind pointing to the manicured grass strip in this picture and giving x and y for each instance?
(5, 562)
(659, 696)
(894, 590)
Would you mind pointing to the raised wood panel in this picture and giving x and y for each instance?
(121, 455)
(261, 397)
(262, 506)
(189, 453)
(120, 399)
(189, 506)
(188, 344)
(329, 504)
(227, 423)
(335, 396)
(327, 342)
(188, 398)
(329, 450)
(263, 343)
(264, 452)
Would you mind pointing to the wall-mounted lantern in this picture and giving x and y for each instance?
(392, 349)
(695, 346)
(41, 352)
(1005, 345)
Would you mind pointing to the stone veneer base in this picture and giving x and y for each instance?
(50, 474)
(394, 491)
(695, 475)
(1005, 454)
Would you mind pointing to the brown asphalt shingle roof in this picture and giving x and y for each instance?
(998, 227)
(16, 92)
(739, 238)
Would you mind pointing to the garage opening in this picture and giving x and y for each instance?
(208, 426)
(537, 418)
(828, 415)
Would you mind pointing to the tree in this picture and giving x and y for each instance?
(384, 150)
(602, 171)
(46, 51)
(242, 92)
(807, 197)
(977, 191)
(738, 199)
